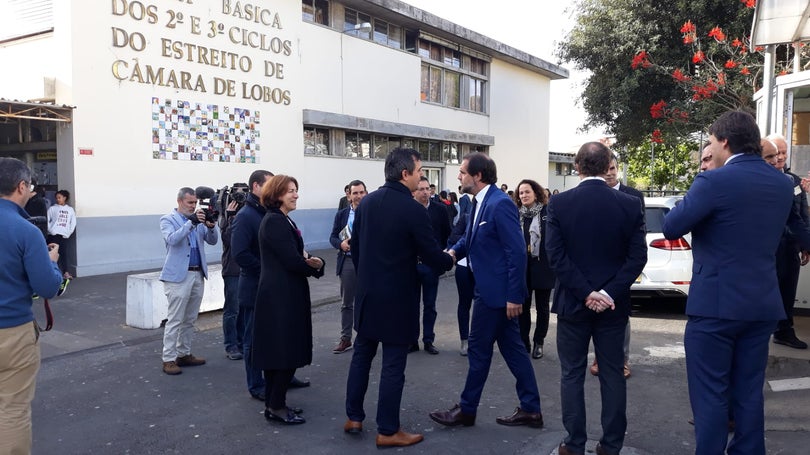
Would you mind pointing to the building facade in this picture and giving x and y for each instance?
(143, 98)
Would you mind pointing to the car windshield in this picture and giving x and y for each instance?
(654, 217)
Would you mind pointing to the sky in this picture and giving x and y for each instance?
(533, 26)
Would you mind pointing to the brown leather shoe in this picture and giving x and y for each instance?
(342, 347)
(353, 427)
(521, 417)
(171, 368)
(626, 370)
(398, 439)
(453, 417)
(564, 450)
(190, 361)
(594, 368)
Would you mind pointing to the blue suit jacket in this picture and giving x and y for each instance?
(496, 250)
(178, 245)
(595, 239)
(736, 214)
(341, 218)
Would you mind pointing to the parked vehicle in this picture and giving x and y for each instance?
(669, 262)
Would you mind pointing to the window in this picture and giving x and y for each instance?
(316, 11)
(354, 18)
(316, 141)
(452, 78)
(364, 145)
(476, 95)
(564, 168)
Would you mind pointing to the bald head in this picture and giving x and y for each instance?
(769, 152)
(780, 143)
(706, 163)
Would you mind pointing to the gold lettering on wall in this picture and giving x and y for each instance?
(257, 29)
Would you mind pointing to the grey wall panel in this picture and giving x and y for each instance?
(129, 243)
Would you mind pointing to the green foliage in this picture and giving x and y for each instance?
(673, 168)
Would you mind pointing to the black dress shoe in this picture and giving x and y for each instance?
(521, 417)
(296, 383)
(413, 348)
(453, 417)
(290, 417)
(258, 396)
(790, 341)
(431, 349)
(537, 352)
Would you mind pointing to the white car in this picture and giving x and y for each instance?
(669, 262)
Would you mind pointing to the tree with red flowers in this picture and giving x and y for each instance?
(663, 69)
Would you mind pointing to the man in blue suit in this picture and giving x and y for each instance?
(391, 232)
(595, 239)
(340, 238)
(734, 301)
(496, 255)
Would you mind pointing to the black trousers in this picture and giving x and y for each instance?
(276, 384)
(541, 297)
(788, 266)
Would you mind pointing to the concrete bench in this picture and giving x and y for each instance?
(147, 306)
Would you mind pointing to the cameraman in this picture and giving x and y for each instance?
(185, 232)
(230, 277)
(26, 267)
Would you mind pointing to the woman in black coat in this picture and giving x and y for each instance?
(540, 278)
(283, 318)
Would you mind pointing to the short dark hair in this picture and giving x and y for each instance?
(538, 190)
(258, 177)
(275, 188)
(740, 130)
(398, 160)
(480, 163)
(12, 172)
(425, 179)
(355, 183)
(593, 159)
(64, 193)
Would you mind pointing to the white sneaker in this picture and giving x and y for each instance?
(463, 350)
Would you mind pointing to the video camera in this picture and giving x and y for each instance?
(215, 203)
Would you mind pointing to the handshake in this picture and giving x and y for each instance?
(452, 254)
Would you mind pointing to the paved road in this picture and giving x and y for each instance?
(98, 394)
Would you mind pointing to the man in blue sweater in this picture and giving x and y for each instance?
(27, 267)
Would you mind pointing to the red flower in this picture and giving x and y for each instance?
(689, 38)
(749, 3)
(679, 76)
(641, 60)
(759, 49)
(745, 70)
(783, 72)
(657, 137)
(730, 64)
(721, 78)
(688, 27)
(717, 33)
(736, 42)
(698, 57)
(744, 49)
(658, 110)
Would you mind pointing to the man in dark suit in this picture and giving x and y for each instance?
(428, 276)
(340, 237)
(596, 245)
(391, 232)
(734, 302)
(790, 257)
(613, 182)
(496, 255)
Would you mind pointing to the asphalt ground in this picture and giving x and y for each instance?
(101, 389)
